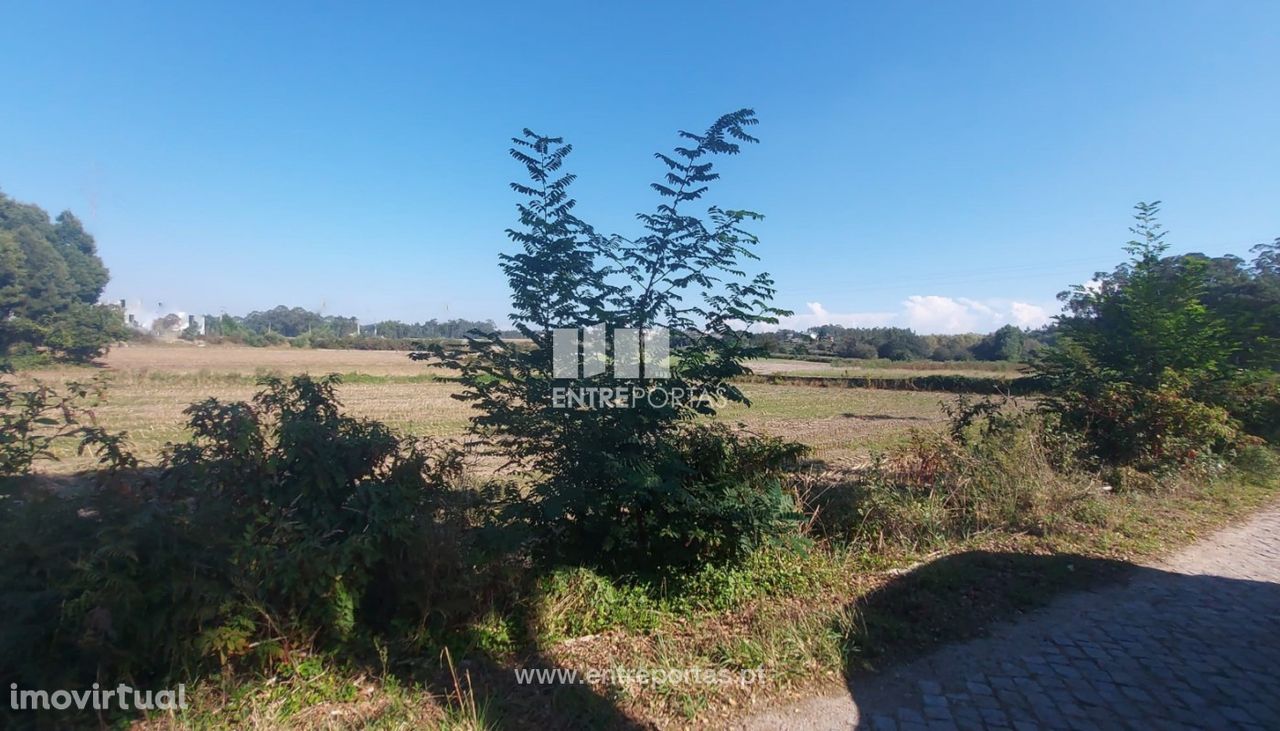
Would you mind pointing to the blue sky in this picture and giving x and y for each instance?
(947, 165)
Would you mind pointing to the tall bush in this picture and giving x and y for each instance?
(614, 485)
(1141, 359)
(281, 526)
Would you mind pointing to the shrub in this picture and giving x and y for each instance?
(282, 525)
(708, 494)
(997, 467)
(1129, 424)
(1253, 398)
(32, 420)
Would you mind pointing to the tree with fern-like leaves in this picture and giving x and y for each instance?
(651, 485)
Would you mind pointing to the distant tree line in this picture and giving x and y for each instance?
(50, 280)
(451, 329)
(1009, 343)
(1243, 299)
(304, 328)
(286, 322)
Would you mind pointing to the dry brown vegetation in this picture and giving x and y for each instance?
(884, 369)
(152, 384)
(192, 359)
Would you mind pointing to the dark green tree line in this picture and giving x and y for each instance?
(1009, 343)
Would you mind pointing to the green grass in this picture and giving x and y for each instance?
(316, 694)
(809, 613)
(814, 616)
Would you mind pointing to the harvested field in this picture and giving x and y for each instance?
(882, 369)
(186, 358)
(152, 384)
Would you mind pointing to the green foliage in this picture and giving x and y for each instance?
(578, 601)
(856, 349)
(573, 602)
(288, 322)
(50, 280)
(88, 274)
(713, 497)
(32, 420)
(1007, 343)
(1144, 368)
(1247, 300)
(1125, 423)
(334, 330)
(901, 344)
(83, 332)
(1147, 318)
(948, 383)
(632, 489)
(784, 569)
(1253, 399)
(281, 526)
(430, 329)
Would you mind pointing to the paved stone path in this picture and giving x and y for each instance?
(1189, 643)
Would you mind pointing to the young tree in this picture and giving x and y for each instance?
(1140, 357)
(620, 486)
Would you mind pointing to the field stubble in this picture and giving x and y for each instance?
(152, 384)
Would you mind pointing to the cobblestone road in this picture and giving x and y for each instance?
(1189, 643)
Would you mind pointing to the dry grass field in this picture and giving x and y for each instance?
(884, 369)
(185, 358)
(152, 384)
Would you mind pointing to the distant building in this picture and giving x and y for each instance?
(169, 325)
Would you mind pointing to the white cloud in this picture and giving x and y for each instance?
(818, 315)
(929, 314)
(935, 314)
(1028, 315)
